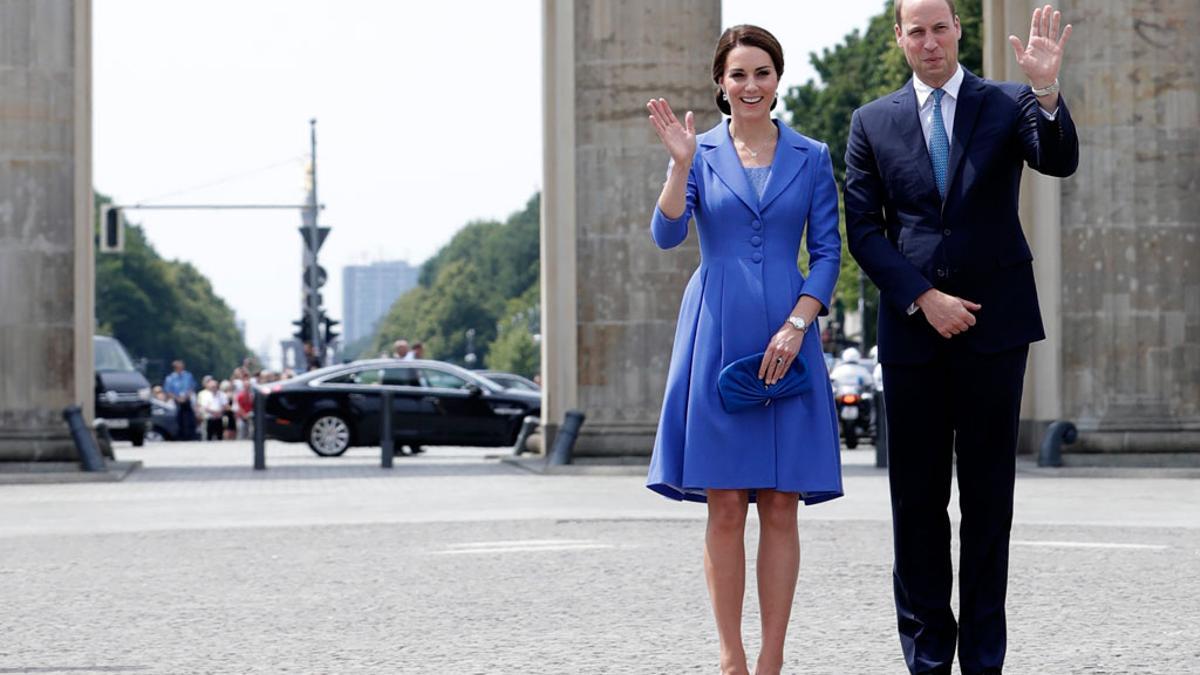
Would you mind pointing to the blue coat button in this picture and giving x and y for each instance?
(756, 240)
(756, 225)
(757, 257)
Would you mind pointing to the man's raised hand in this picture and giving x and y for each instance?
(1041, 58)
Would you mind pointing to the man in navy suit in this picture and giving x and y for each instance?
(932, 178)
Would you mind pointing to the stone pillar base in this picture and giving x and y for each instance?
(37, 445)
(1138, 442)
(615, 440)
(1131, 442)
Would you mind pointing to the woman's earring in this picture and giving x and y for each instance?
(724, 96)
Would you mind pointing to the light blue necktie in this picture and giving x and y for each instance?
(939, 144)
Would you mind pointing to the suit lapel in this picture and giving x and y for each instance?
(723, 158)
(790, 156)
(966, 112)
(908, 123)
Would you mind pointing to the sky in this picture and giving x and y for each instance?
(428, 118)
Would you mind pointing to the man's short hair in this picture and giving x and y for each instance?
(949, 3)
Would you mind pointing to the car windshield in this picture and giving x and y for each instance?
(109, 355)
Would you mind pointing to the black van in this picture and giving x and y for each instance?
(122, 393)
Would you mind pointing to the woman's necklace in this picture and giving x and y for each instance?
(746, 146)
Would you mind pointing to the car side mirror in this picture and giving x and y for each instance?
(474, 390)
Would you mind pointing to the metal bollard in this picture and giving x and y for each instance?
(89, 455)
(104, 439)
(527, 426)
(564, 440)
(1056, 434)
(387, 444)
(260, 430)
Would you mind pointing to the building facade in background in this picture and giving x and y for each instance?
(368, 292)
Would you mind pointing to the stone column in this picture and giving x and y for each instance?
(1118, 244)
(610, 298)
(46, 227)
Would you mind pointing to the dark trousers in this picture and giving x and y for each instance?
(185, 419)
(960, 410)
(214, 428)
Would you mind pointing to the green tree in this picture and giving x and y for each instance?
(468, 285)
(515, 349)
(864, 66)
(163, 310)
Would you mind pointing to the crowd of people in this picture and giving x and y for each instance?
(214, 409)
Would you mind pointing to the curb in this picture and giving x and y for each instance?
(538, 464)
(47, 473)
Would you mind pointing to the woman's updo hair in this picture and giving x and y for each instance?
(750, 36)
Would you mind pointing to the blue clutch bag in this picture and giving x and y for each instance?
(740, 388)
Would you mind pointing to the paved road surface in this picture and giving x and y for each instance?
(456, 563)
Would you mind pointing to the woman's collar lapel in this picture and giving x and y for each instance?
(716, 147)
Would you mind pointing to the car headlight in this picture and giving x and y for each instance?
(110, 396)
(144, 393)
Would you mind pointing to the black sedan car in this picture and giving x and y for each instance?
(433, 403)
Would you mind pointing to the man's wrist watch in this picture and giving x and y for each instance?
(1052, 88)
(798, 323)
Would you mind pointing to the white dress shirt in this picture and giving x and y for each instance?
(949, 103)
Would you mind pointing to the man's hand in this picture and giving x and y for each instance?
(948, 315)
(1041, 58)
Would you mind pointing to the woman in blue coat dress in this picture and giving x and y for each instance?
(755, 188)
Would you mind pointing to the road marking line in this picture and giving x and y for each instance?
(523, 549)
(520, 542)
(1091, 544)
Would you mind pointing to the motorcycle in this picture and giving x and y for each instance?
(854, 408)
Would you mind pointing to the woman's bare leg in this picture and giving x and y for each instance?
(778, 568)
(725, 570)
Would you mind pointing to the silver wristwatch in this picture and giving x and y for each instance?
(798, 323)
(1051, 89)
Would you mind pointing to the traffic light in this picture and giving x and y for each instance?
(330, 334)
(303, 331)
(314, 279)
(112, 230)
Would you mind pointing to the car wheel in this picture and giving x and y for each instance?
(329, 435)
(155, 435)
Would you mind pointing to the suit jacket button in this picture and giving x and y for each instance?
(946, 232)
(756, 225)
(941, 273)
(756, 240)
(757, 257)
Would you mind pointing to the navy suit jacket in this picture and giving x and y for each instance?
(908, 239)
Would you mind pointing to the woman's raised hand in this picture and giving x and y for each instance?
(679, 139)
